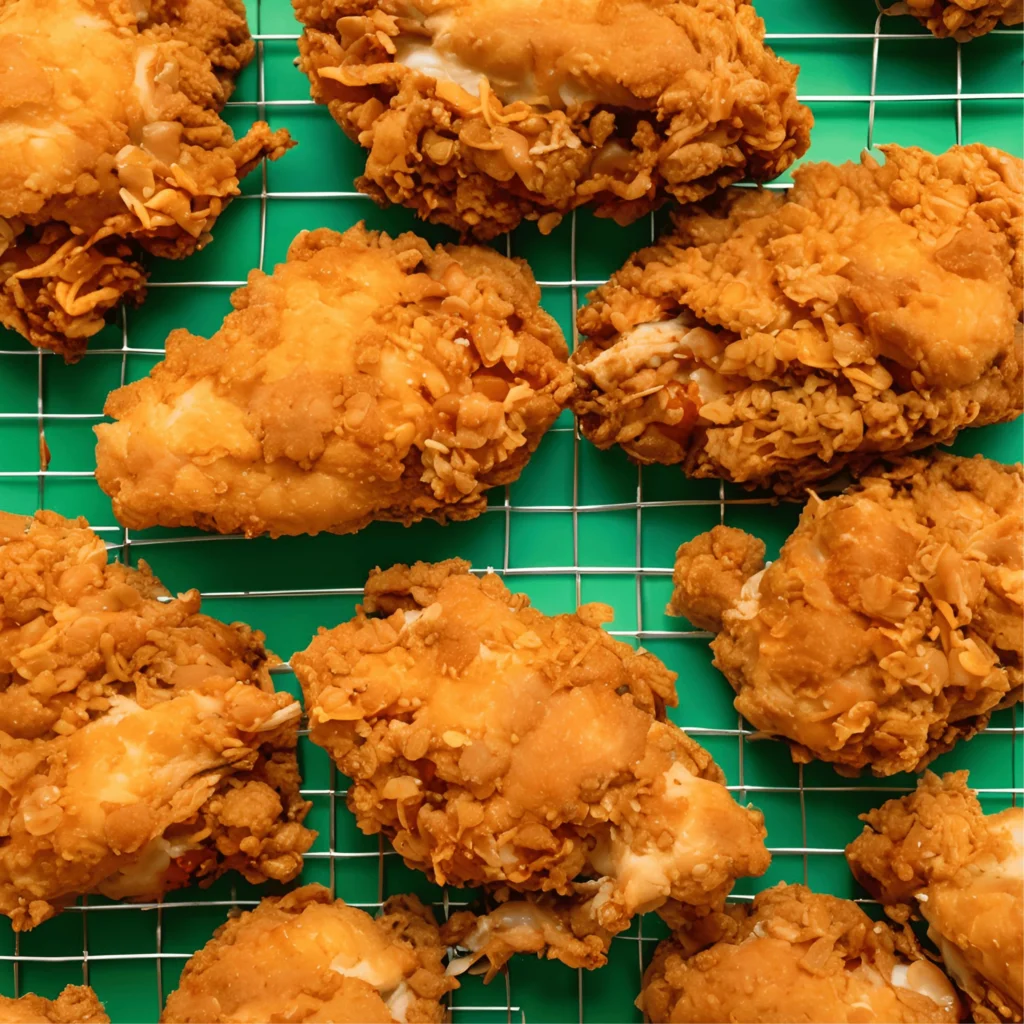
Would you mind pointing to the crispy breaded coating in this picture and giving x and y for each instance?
(77, 1004)
(366, 378)
(497, 746)
(142, 744)
(481, 113)
(113, 146)
(306, 957)
(935, 854)
(964, 20)
(773, 339)
(890, 626)
(796, 957)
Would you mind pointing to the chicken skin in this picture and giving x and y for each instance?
(367, 378)
(113, 146)
(142, 744)
(773, 340)
(306, 957)
(935, 854)
(481, 113)
(890, 626)
(497, 746)
(964, 20)
(77, 1004)
(795, 957)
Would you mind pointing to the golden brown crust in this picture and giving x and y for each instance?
(964, 20)
(773, 340)
(135, 157)
(142, 743)
(617, 104)
(937, 855)
(367, 378)
(796, 957)
(77, 1004)
(498, 746)
(890, 626)
(306, 957)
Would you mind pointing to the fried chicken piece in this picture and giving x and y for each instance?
(890, 626)
(367, 378)
(964, 20)
(480, 113)
(773, 340)
(794, 956)
(306, 957)
(142, 743)
(77, 1004)
(936, 855)
(113, 146)
(497, 746)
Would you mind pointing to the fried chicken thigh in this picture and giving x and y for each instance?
(77, 1004)
(305, 957)
(890, 626)
(937, 855)
(480, 113)
(964, 20)
(794, 957)
(141, 743)
(112, 146)
(367, 378)
(498, 746)
(773, 339)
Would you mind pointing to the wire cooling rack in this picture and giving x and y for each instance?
(580, 525)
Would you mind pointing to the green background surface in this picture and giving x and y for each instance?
(579, 525)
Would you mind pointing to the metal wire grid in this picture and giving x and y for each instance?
(125, 544)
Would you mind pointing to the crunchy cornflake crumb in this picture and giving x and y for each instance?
(935, 854)
(480, 113)
(306, 957)
(366, 378)
(531, 754)
(890, 626)
(964, 20)
(773, 339)
(77, 1004)
(144, 744)
(113, 146)
(794, 955)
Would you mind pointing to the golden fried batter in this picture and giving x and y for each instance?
(480, 113)
(112, 145)
(936, 855)
(964, 20)
(773, 340)
(794, 957)
(141, 743)
(495, 745)
(77, 1004)
(890, 626)
(367, 378)
(305, 957)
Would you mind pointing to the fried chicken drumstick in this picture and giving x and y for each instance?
(773, 340)
(935, 854)
(306, 957)
(964, 20)
(890, 626)
(112, 146)
(792, 956)
(367, 378)
(77, 1004)
(498, 746)
(480, 113)
(142, 744)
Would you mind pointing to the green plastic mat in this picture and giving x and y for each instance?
(580, 525)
